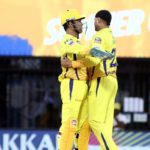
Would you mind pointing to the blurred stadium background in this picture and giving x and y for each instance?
(30, 105)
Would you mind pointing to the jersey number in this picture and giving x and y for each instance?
(113, 62)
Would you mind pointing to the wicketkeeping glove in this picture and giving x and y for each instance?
(96, 52)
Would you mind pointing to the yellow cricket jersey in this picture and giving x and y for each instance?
(105, 41)
(73, 50)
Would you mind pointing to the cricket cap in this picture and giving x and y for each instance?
(71, 14)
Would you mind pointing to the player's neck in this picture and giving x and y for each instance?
(105, 26)
(73, 33)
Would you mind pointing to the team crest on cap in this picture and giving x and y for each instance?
(97, 40)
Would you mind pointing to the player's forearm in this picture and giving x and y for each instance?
(97, 52)
(88, 61)
(78, 64)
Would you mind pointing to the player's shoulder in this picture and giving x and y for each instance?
(98, 37)
(69, 40)
(101, 34)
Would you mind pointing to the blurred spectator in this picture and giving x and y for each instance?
(50, 118)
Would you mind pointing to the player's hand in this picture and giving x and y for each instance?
(66, 63)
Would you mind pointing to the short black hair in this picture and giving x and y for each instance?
(105, 15)
(65, 26)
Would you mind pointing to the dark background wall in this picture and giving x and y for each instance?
(29, 90)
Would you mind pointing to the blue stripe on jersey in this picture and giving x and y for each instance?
(106, 146)
(66, 70)
(76, 71)
(93, 69)
(71, 87)
(98, 83)
(105, 67)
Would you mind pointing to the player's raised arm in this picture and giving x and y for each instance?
(97, 52)
(87, 61)
(99, 48)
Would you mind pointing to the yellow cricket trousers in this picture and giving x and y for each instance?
(101, 101)
(74, 98)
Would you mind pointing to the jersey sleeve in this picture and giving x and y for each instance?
(87, 61)
(98, 41)
(98, 48)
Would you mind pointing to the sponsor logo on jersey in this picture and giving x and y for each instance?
(97, 40)
(74, 123)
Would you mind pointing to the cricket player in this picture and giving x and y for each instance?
(103, 85)
(74, 85)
